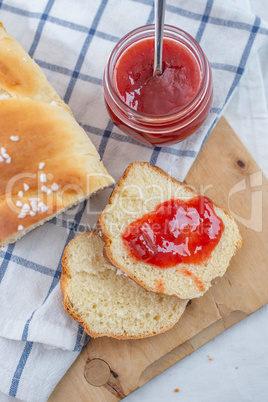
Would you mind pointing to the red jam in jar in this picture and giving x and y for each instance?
(162, 94)
(160, 110)
(175, 232)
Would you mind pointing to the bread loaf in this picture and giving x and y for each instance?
(48, 163)
(105, 301)
(141, 189)
(20, 76)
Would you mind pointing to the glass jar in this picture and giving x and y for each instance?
(159, 130)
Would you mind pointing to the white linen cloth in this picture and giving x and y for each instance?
(71, 42)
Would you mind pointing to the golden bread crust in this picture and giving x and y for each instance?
(20, 76)
(37, 127)
(49, 135)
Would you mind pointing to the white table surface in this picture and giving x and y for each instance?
(245, 345)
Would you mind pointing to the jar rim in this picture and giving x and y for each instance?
(145, 32)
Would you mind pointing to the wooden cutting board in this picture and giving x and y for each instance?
(109, 369)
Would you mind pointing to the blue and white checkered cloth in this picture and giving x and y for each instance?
(71, 41)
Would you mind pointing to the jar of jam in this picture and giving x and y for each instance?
(165, 109)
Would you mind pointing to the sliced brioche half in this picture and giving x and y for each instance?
(141, 189)
(106, 303)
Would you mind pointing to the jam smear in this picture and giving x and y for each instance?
(160, 286)
(175, 232)
(197, 281)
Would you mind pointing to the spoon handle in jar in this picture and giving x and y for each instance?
(159, 7)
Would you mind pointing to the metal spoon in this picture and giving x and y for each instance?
(159, 12)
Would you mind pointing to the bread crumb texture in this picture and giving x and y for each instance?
(141, 189)
(109, 304)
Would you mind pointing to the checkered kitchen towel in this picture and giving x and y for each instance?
(71, 41)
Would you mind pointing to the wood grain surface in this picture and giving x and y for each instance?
(109, 369)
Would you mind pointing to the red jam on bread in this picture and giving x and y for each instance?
(175, 232)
